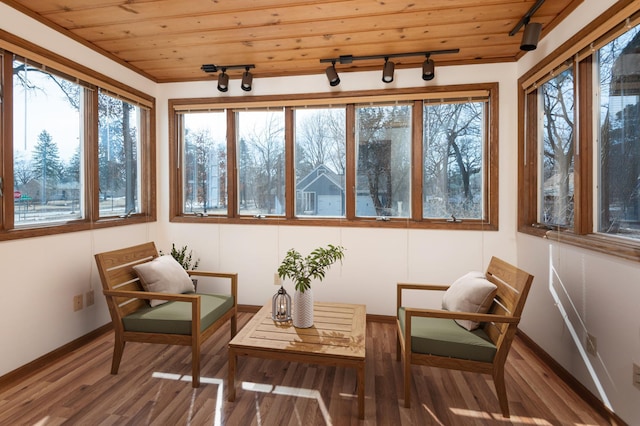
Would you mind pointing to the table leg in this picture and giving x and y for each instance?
(361, 391)
(233, 358)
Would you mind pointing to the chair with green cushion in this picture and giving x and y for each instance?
(151, 299)
(474, 330)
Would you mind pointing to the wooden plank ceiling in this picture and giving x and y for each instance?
(169, 40)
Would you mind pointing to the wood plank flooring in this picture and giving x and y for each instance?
(153, 387)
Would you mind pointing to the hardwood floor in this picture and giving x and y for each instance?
(153, 387)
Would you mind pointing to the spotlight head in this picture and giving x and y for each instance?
(428, 69)
(387, 71)
(247, 79)
(332, 75)
(530, 36)
(223, 81)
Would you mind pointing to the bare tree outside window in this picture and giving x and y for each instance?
(619, 189)
(453, 147)
(383, 172)
(261, 162)
(204, 163)
(320, 161)
(557, 103)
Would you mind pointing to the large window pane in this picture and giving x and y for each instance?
(118, 156)
(453, 144)
(204, 164)
(47, 157)
(557, 153)
(261, 162)
(383, 172)
(619, 189)
(320, 162)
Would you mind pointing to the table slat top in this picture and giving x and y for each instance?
(338, 331)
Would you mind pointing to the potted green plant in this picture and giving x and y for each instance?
(184, 258)
(302, 270)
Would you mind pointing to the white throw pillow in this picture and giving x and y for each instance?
(163, 275)
(470, 293)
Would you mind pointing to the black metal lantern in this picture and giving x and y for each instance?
(281, 306)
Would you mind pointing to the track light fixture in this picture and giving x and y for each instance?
(428, 69)
(387, 71)
(223, 81)
(247, 79)
(332, 75)
(531, 33)
(223, 78)
(530, 36)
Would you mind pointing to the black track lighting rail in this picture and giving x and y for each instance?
(347, 59)
(216, 68)
(526, 18)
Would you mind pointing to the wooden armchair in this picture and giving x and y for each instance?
(187, 319)
(431, 337)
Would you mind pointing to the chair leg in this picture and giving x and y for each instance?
(195, 364)
(407, 382)
(118, 350)
(234, 324)
(501, 390)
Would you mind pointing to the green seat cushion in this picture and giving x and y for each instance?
(175, 317)
(444, 337)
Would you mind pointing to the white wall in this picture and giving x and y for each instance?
(605, 290)
(39, 276)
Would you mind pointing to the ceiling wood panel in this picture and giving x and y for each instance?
(168, 40)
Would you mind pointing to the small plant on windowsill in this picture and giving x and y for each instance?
(184, 258)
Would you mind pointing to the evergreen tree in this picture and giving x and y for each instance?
(47, 167)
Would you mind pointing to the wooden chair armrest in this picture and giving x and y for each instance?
(232, 276)
(414, 286)
(151, 295)
(437, 313)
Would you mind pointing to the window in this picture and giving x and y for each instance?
(556, 139)
(619, 124)
(77, 147)
(261, 170)
(118, 154)
(383, 171)
(204, 163)
(453, 147)
(47, 148)
(400, 158)
(579, 177)
(320, 162)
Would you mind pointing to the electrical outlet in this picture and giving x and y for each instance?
(90, 298)
(77, 302)
(591, 345)
(636, 375)
(276, 279)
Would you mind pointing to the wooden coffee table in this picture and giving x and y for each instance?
(337, 338)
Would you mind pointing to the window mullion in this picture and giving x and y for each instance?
(583, 176)
(350, 179)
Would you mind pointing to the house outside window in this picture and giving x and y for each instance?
(320, 161)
